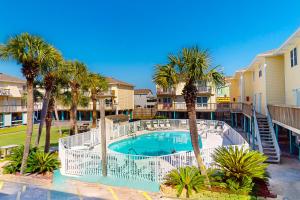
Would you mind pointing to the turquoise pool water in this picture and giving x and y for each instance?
(155, 144)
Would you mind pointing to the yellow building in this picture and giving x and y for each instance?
(170, 101)
(271, 82)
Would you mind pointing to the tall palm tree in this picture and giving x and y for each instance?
(30, 52)
(49, 72)
(76, 75)
(190, 66)
(96, 84)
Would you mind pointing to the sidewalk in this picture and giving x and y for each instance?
(285, 178)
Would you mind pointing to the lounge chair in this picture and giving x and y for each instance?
(168, 125)
(149, 127)
(155, 126)
(162, 126)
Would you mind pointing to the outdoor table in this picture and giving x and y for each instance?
(7, 149)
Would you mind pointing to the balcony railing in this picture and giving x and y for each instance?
(220, 107)
(288, 115)
(204, 89)
(4, 92)
(16, 108)
(169, 91)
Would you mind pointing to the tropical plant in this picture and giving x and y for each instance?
(49, 73)
(240, 162)
(185, 178)
(75, 74)
(242, 186)
(31, 52)
(238, 167)
(15, 160)
(191, 66)
(96, 84)
(40, 162)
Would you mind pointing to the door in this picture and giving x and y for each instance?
(259, 103)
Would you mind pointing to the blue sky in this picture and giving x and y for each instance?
(125, 39)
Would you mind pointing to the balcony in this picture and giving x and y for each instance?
(4, 92)
(12, 109)
(286, 115)
(166, 92)
(204, 89)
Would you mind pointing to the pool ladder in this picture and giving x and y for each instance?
(132, 149)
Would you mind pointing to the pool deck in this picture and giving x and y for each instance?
(72, 191)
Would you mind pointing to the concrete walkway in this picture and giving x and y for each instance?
(285, 178)
(75, 191)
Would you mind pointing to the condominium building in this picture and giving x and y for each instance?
(119, 99)
(170, 101)
(12, 103)
(271, 83)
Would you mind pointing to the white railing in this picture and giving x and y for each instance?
(80, 154)
(256, 131)
(274, 139)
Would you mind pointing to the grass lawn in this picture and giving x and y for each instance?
(17, 135)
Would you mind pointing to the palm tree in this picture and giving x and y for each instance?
(30, 52)
(190, 66)
(76, 75)
(97, 84)
(49, 72)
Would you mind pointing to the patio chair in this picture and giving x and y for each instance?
(155, 126)
(149, 127)
(168, 125)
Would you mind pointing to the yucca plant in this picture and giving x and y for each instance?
(188, 178)
(40, 162)
(240, 162)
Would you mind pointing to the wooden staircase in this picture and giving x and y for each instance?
(267, 141)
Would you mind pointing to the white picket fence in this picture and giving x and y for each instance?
(80, 157)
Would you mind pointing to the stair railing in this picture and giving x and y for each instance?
(274, 138)
(256, 131)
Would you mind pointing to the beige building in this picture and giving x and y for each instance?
(170, 101)
(12, 104)
(120, 100)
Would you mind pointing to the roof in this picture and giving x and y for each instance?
(142, 91)
(10, 79)
(114, 81)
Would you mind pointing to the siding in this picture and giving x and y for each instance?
(292, 74)
(275, 80)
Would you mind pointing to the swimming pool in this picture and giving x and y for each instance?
(155, 143)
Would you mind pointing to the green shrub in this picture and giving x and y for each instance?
(188, 178)
(237, 167)
(15, 160)
(238, 163)
(243, 186)
(40, 162)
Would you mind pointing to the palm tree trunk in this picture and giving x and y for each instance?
(29, 125)
(57, 118)
(94, 100)
(48, 121)
(43, 116)
(190, 95)
(73, 113)
(103, 138)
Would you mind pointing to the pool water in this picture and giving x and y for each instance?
(155, 144)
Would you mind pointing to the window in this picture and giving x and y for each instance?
(202, 100)
(293, 55)
(260, 72)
